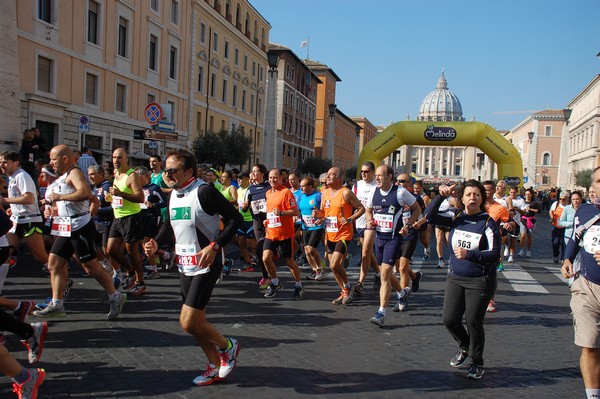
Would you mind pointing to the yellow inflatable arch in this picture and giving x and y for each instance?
(438, 133)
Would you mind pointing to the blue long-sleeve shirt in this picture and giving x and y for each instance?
(590, 238)
(478, 234)
(567, 217)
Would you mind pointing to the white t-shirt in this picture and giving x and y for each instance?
(364, 192)
(19, 184)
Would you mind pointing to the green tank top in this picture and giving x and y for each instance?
(241, 195)
(225, 191)
(126, 208)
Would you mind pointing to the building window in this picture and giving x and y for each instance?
(226, 50)
(254, 68)
(154, 5)
(152, 55)
(234, 100)
(121, 143)
(151, 98)
(413, 168)
(44, 74)
(545, 180)
(548, 131)
(213, 85)
(456, 170)
(245, 63)
(546, 159)
(236, 56)
(243, 99)
(122, 45)
(200, 79)
(224, 92)
(202, 33)
(252, 104)
(198, 121)
(91, 89)
(215, 42)
(93, 9)
(173, 63)
(121, 98)
(174, 12)
(172, 106)
(45, 10)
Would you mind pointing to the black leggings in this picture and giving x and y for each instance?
(12, 324)
(259, 233)
(468, 296)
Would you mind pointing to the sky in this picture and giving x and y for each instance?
(503, 59)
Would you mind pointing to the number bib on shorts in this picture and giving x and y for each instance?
(117, 202)
(309, 220)
(259, 206)
(61, 226)
(406, 217)
(273, 221)
(146, 195)
(591, 240)
(465, 239)
(331, 224)
(384, 222)
(187, 260)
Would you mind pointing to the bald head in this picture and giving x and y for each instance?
(61, 158)
(334, 179)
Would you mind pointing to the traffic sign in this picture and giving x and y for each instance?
(153, 144)
(153, 113)
(84, 124)
(150, 134)
(165, 126)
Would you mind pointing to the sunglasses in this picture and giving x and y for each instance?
(171, 171)
(364, 171)
(401, 181)
(323, 182)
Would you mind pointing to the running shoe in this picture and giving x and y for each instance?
(417, 281)
(319, 275)
(402, 303)
(272, 290)
(52, 310)
(42, 305)
(491, 308)
(264, 283)
(12, 261)
(510, 259)
(521, 252)
(68, 288)
(358, 289)
(137, 289)
(312, 276)
(376, 282)
(506, 249)
(441, 264)
(35, 343)
(151, 275)
(500, 267)
(23, 310)
(298, 293)
(247, 268)
(378, 318)
(228, 358)
(210, 375)
(426, 254)
(475, 371)
(29, 389)
(555, 259)
(347, 295)
(527, 255)
(459, 358)
(116, 306)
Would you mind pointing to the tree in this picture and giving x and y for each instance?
(315, 166)
(350, 173)
(583, 178)
(223, 148)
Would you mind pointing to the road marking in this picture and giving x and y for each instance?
(556, 271)
(520, 280)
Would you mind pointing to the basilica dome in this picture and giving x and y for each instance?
(441, 104)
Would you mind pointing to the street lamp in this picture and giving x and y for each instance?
(330, 133)
(530, 135)
(270, 140)
(357, 144)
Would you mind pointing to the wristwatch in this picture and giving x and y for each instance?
(215, 246)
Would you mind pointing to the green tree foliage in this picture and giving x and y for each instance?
(315, 166)
(224, 147)
(583, 178)
(350, 173)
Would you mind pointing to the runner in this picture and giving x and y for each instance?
(126, 194)
(337, 212)
(558, 230)
(103, 219)
(528, 212)
(425, 229)
(364, 189)
(281, 209)
(245, 233)
(312, 234)
(195, 211)
(75, 231)
(385, 211)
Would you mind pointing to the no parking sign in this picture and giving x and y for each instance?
(84, 124)
(153, 113)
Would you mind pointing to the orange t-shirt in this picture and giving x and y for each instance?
(497, 212)
(334, 208)
(280, 227)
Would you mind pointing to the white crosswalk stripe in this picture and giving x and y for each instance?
(520, 280)
(555, 269)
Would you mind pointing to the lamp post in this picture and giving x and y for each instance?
(331, 133)
(357, 144)
(270, 141)
(530, 135)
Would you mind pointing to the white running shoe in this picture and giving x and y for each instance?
(510, 259)
(521, 253)
(506, 251)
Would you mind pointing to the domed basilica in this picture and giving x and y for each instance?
(432, 163)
